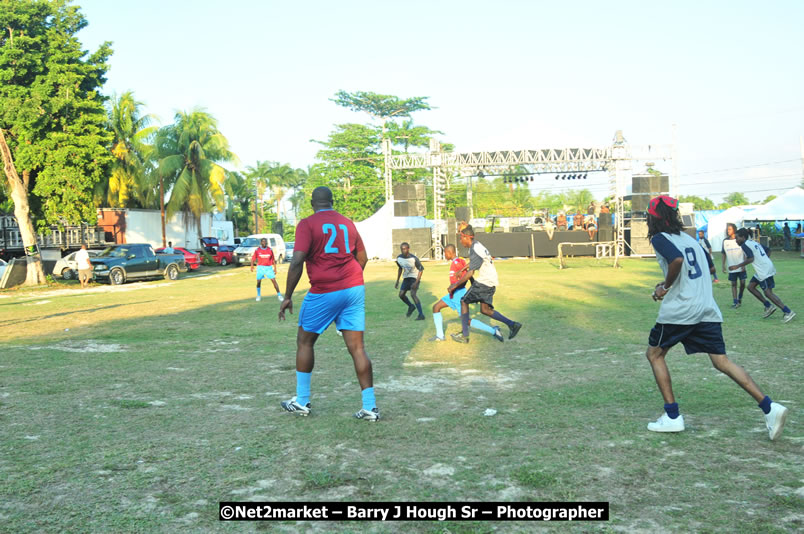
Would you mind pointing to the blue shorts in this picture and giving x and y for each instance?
(701, 337)
(265, 271)
(734, 276)
(768, 283)
(455, 301)
(346, 307)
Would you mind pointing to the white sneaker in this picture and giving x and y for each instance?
(665, 424)
(775, 419)
(280, 297)
(769, 311)
(259, 298)
(788, 316)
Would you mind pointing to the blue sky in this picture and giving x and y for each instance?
(501, 75)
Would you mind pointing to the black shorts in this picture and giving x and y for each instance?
(407, 284)
(480, 293)
(735, 275)
(768, 283)
(701, 337)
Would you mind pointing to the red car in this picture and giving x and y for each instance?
(192, 259)
(224, 254)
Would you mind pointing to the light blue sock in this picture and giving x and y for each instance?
(303, 387)
(438, 319)
(369, 403)
(258, 290)
(483, 327)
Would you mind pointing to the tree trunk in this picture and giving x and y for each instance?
(19, 195)
(162, 208)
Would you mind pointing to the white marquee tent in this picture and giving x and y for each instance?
(788, 206)
(716, 228)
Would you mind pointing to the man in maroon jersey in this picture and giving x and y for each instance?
(333, 250)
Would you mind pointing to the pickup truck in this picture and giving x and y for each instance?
(134, 261)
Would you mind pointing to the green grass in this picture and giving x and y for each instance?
(138, 409)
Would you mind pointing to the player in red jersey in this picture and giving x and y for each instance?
(264, 256)
(333, 250)
(453, 300)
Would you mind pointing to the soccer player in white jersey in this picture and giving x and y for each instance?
(483, 274)
(763, 275)
(733, 254)
(689, 315)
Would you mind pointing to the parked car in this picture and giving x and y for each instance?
(289, 250)
(119, 263)
(3, 265)
(193, 259)
(247, 247)
(67, 267)
(209, 242)
(224, 255)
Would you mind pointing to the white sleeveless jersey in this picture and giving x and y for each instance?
(689, 300)
(763, 266)
(734, 254)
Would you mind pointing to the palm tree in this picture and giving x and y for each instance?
(128, 185)
(189, 152)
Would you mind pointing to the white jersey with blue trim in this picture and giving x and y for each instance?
(689, 300)
(763, 266)
(734, 254)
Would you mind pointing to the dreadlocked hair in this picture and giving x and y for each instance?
(669, 222)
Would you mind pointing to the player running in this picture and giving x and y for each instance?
(456, 267)
(733, 254)
(484, 284)
(407, 262)
(689, 315)
(264, 256)
(333, 250)
(763, 275)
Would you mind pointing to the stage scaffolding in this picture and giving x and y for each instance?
(618, 160)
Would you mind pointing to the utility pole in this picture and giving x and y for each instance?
(162, 208)
(256, 216)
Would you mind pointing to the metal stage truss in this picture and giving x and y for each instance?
(618, 160)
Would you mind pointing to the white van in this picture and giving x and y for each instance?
(244, 252)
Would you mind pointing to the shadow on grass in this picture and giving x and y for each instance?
(63, 314)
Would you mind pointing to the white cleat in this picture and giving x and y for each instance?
(788, 316)
(280, 297)
(775, 419)
(665, 424)
(259, 298)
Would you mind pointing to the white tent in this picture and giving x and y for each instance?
(376, 232)
(788, 206)
(716, 229)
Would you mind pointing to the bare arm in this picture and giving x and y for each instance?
(294, 275)
(743, 264)
(362, 258)
(673, 270)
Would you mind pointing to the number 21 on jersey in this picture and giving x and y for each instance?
(329, 229)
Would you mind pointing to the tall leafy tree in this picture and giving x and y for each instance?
(735, 199)
(52, 122)
(352, 168)
(239, 196)
(698, 203)
(382, 108)
(129, 184)
(189, 153)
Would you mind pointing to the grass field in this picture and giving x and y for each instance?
(139, 408)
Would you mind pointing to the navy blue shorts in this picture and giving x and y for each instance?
(768, 283)
(737, 275)
(701, 337)
(407, 284)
